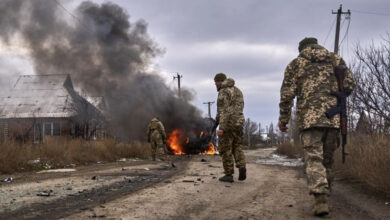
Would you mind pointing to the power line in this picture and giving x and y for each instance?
(330, 30)
(74, 16)
(346, 31)
(371, 13)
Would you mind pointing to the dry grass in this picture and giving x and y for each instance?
(61, 152)
(368, 161)
(290, 150)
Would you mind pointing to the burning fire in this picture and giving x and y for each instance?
(174, 140)
(177, 141)
(211, 149)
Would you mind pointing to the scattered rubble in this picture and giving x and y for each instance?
(188, 181)
(8, 180)
(203, 160)
(45, 193)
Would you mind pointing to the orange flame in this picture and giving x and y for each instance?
(174, 140)
(211, 149)
(177, 140)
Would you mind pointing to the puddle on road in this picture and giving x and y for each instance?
(277, 160)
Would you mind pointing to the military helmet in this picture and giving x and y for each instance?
(306, 41)
(220, 77)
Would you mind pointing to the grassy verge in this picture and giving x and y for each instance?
(368, 161)
(64, 152)
(290, 150)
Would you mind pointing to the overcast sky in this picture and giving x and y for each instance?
(251, 41)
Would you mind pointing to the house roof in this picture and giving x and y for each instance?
(39, 96)
(97, 101)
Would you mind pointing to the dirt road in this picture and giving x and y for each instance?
(189, 189)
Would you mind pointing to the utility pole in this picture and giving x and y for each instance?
(337, 37)
(178, 77)
(209, 105)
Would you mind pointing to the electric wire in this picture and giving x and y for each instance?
(371, 13)
(73, 16)
(330, 30)
(346, 32)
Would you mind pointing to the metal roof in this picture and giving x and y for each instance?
(39, 96)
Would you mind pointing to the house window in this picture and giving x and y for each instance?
(37, 132)
(47, 129)
(52, 129)
(56, 129)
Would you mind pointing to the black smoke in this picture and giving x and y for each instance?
(105, 53)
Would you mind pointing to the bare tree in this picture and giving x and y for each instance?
(250, 130)
(372, 75)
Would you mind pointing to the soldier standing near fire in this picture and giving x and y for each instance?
(310, 77)
(156, 136)
(230, 117)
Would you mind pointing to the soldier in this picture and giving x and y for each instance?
(156, 136)
(310, 77)
(230, 117)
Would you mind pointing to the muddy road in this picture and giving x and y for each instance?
(180, 187)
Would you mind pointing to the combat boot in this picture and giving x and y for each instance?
(321, 207)
(227, 178)
(242, 173)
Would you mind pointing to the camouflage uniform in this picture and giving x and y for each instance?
(156, 136)
(310, 78)
(230, 105)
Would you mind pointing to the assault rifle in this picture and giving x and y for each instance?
(341, 107)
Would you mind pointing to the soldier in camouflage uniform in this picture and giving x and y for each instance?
(156, 136)
(230, 117)
(310, 78)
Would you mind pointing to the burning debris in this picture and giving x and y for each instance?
(107, 55)
(200, 140)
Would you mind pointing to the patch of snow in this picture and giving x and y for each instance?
(57, 171)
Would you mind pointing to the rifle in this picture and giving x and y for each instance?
(341, 107)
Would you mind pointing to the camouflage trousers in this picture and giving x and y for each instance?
(319, 145)
(157, 144)
(229, 147)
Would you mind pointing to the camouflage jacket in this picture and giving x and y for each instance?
(230, 106)
(155, 124)
(310, 78)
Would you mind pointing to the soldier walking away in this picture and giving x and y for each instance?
(310, 77)
(230, 117)
(156, 136)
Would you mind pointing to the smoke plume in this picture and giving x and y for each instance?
(105, 53)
